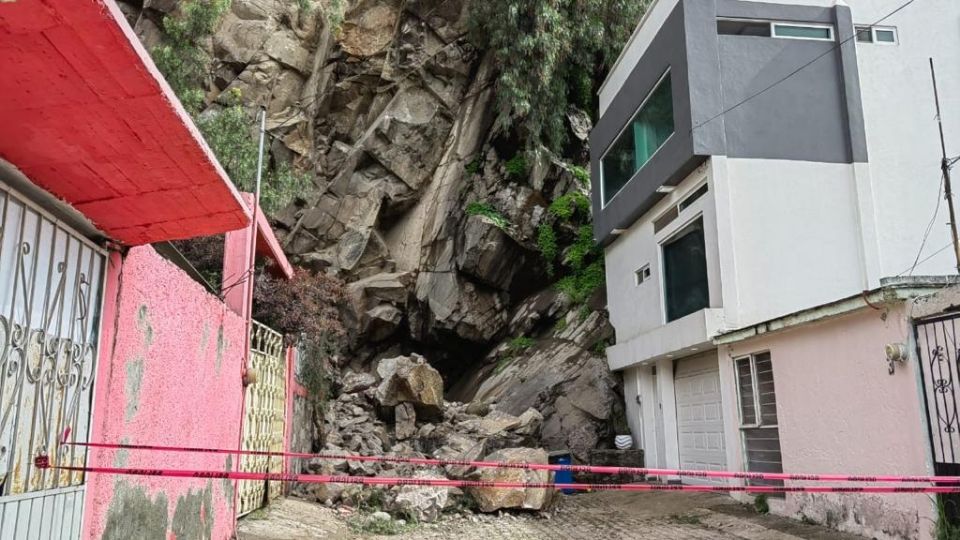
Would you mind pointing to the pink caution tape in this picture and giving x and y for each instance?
(545, 467)
(42, 462)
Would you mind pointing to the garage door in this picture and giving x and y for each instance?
(699, 419)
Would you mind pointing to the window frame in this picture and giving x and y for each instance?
(603, 184)
(872, 29)
(759, 425)
(774, 24)
(642, 275)
(755, 386)
(828, 27)
(673, 235)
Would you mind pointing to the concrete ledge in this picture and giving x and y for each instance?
(680, 337)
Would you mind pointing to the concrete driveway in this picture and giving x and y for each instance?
(602, 515)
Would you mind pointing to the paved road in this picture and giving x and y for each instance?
(603, 516)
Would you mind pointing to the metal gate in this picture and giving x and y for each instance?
(938, 353)
(51, 280)
(263, 418)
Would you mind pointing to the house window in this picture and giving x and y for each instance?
(802, 31)
(874, 34)
(758, 28)
(643, 274)
(685, 272)
(646, 132)
(758, 416)
(743, 28)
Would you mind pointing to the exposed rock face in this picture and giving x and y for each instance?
(492, 499)
(392, 113)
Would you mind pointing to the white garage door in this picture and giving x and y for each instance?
(699, 419)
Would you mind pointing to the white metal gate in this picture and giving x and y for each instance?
(263, 417)
(51, 281)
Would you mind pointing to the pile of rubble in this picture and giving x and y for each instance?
(400, 411)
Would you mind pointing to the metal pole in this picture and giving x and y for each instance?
(945, 168)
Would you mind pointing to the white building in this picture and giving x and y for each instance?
(768, 177)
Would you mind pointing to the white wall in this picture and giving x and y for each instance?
(902, 137)
(637, 309)
(790, 235)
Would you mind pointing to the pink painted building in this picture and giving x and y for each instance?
(104, 337)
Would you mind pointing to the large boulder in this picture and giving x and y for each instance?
(410, 379)
(490, 499)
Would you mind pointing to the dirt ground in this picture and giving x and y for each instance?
(602, 515)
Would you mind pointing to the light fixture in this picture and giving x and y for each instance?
(618, 232)
(666, 189)
(895, 352)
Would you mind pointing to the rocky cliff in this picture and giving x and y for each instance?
(429, 213)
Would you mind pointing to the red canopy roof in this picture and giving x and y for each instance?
(85, 114)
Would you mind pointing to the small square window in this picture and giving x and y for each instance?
(643, 274)
(864, 34)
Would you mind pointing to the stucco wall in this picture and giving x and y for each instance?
(635, 309)
(168, 374)
(839, 411)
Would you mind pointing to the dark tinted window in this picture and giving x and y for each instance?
(743, 28)
(685, 272)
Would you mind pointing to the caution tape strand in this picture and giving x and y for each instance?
(43, 462)
(594, 469)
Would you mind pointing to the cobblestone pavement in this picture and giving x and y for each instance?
(602, 516)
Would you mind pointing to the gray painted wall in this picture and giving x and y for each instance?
(812, 115)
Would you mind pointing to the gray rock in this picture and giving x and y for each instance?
(405, 421)
(407, 379)
(424, 502)
(357, 382)
(491, 499)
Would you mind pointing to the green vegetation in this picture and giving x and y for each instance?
(520, 344)
(944, 529)
(229, 132)
(565, 206)
(516, 167)
(547, 242)
(584, 260)
(475, 166)
(551, 55)
(334, 15)
(305, 6)
(581, 174)
(760, 504)
(489, 212)
(182, 62)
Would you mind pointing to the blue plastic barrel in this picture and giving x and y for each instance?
(563, 477)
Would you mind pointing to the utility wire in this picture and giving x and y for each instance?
(801, 68)
(933, 219)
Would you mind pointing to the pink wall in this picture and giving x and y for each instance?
(839, 411)
(169, 374)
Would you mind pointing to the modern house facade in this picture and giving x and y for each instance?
(766, 181)
(106, 335)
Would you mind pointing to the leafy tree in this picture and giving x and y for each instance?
(180, 58)
(550, 53)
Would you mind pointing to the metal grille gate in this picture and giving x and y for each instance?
(51, 281)
(938, 351)
(263, 418)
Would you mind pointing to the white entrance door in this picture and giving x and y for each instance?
(699, 418)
